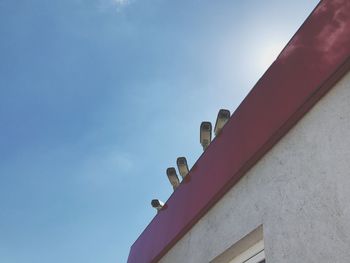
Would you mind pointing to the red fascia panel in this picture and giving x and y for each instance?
(317, 56)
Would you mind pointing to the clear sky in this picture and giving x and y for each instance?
(99, 97)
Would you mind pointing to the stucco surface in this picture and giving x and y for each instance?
(299, 191)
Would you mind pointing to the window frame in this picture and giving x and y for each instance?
(254, 254)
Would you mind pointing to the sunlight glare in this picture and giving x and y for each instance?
(268, 54)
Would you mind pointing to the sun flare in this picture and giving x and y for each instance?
(269, 53)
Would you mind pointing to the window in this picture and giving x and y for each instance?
(254, 254)
(249, 249)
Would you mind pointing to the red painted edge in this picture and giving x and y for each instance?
(317, 56)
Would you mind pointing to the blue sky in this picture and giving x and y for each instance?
(99, 97)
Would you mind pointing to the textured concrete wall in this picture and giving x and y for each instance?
(299, 192)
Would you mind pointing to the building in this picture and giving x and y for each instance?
(275, 184)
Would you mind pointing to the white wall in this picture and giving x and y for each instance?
(299, 192)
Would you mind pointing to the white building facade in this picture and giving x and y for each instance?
(274, 186)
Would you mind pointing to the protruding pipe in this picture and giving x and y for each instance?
(157, 204)
(182, 166)
(205, 134)
(173, 178)
(221, 120)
